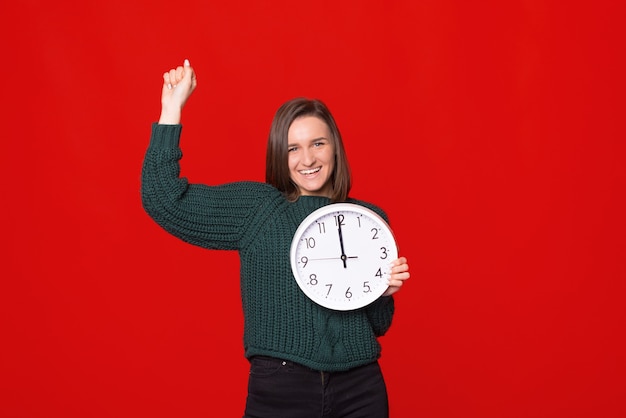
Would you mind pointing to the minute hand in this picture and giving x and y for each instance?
(343, 252)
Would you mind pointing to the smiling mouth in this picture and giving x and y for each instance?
(311, 171)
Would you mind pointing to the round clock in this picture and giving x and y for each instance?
(340, 256)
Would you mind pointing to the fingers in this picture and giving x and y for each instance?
(179, 74)
(166, 81)
(398, 274)
(399, 265)
(175, 76)
(192, 73)
(397, 279)
(170, 79)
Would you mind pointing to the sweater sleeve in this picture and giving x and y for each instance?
(214, 217)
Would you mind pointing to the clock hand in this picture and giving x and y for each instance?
(332, 258)
(343, 253)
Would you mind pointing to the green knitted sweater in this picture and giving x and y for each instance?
(256, 220)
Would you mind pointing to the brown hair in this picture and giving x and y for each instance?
(276, 158)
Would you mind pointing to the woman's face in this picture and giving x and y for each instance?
(311, 156)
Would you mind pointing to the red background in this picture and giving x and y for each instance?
(492, 132)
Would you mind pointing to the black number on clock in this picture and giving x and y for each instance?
(313, 279)
(339, 220)
(329, 286)
(322, 227)
(348, 293)
(366, 287)
(379, 273)
(374, 233)
(304, 260)
(310, 242)
(384, 253)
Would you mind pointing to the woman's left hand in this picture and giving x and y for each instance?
(399, 273)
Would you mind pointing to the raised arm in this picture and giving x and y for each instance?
(178, 84)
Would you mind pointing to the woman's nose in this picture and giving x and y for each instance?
(308, 157)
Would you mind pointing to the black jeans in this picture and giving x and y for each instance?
(284, 389)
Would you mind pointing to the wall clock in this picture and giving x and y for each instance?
(340, 256)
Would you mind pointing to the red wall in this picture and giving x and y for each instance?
(492, 132)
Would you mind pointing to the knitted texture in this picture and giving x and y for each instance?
(257, 221)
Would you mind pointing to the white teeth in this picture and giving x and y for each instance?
(306, 172)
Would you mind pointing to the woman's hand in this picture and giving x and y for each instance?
(399, 273)
(178, 84)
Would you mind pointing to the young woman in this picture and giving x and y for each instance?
(305, 360)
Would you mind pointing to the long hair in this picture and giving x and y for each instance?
(276, 158)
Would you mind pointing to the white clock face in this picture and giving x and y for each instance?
(340, 256)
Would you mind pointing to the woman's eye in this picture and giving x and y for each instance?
(290, 149)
